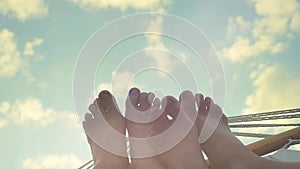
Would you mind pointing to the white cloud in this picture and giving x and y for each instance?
(277, 7)
(161, 60)
(29, 46)
(24, 11)
(155, 25)
(64, 161)
(240, 50)
(12, 62)
(276, 22)
(243, 48)
(275, 88)
(237, 24)
(31, 110)
(123, 5)
(295, 23)
(4, 107)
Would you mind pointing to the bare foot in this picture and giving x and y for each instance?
(105, 129)
(137, 104)
(224, 150)
(187, 153)
(221, 143)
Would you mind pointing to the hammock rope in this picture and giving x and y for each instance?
(275, 115)
(281, 117)
(263, 125)
(86, 165)
(271, 113)
(256, 135)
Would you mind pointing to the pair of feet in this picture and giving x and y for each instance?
(183, 153)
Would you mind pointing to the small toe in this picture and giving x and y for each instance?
(156, 102)
(199, 99)
(172, 107)
(88, 117)
(144, 103)
(85, 126)
(94, 109)
(200, 102)
(208, 102)
(151, 97)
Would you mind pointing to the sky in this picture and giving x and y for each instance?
(41, 41)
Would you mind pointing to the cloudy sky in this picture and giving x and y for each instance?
(40, 40)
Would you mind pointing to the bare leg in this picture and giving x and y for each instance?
(224, 150)
(104, 159)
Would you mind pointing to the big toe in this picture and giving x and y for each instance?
(109, 109)
(187, 102)
(133, 97)
(107, 102)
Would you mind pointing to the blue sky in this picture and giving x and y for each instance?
(40, 40)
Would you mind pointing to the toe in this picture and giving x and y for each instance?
(144, 101)
(188, 105)
(88, 117)
(187, 102)
(151, 97)
(156, 102)
(133, 96)
(105, 96)
(186, 97)
(200, 102)
(199, 99)
(208, 102)
(107, 101)
(172, 107)
(95, 109)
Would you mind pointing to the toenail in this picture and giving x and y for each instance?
(171, 99)
(105, 95)
(134, 91)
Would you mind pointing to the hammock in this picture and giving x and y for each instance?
(271, 143)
